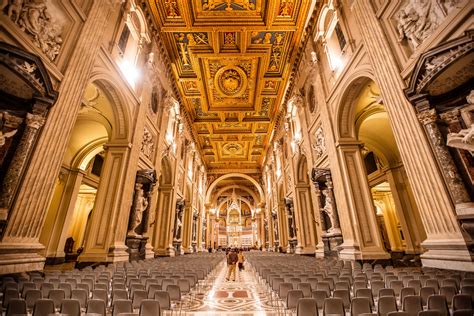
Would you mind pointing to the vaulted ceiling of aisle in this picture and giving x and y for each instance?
(231, 60)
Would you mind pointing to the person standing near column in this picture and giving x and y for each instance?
(231, 263)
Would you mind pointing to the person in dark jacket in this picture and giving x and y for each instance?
(232, 259)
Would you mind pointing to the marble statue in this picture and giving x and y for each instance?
(328, 208)
(139, 206)
(179, 223)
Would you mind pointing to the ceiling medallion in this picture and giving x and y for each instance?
(233, 149)
(230, 81)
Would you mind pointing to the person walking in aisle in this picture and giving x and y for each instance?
(232, 259)
(241, 259)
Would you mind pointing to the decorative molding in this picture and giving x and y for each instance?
(34, 18)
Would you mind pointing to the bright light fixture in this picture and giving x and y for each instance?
(130, 71)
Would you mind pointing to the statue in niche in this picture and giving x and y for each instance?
(328, 208)
(140, 204)
(179, 223)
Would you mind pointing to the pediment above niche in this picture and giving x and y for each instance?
(444, 68)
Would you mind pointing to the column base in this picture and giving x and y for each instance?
(20, 257)
(116, 253)
(188, 250)
(168, 252)
(447, 254)
(353, 252)
(149, 253)
(309, 250)
(319, 252)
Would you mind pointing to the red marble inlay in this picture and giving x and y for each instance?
(240, 294)
(221, 294)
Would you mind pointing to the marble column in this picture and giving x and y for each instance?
(453, 179)
(407, 211)
(306, 231)
(19, 246)
(444, 244)
(282, 224)
(165, 217)
(187, 230)
(109, 221)
(367, 242)
(320, 224)
(212, 231)
(55, 238)
(320, 208)
(34, 122)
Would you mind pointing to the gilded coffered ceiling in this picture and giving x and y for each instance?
(231, 60)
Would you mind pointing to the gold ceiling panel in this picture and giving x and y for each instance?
(231, 60)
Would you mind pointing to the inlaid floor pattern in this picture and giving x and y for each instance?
(244, 297)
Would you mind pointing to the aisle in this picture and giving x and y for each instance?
(243, 297)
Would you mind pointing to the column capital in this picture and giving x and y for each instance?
(451, 117)
(35, 121)
(427, 117)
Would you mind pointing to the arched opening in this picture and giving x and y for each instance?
(231, 194)
(69, 216)
(166, 228)
(306, 234)
(394, 211)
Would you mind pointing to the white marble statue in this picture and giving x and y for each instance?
(139, 206)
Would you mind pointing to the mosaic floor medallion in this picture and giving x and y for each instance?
(245, 296)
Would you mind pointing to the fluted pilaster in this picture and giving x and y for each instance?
(444, 240)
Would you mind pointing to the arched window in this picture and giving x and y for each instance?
(130, 44)
(332, 36)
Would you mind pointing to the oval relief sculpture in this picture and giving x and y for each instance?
(233, 149)
(230, 81)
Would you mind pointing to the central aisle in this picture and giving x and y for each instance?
(242, 297)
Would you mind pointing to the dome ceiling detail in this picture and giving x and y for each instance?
(231, 60)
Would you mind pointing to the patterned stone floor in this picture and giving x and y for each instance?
(243, 297)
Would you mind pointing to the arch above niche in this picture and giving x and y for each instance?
(235, 175)
(114, 109)
(347, 104)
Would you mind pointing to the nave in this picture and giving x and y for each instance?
(271, 284)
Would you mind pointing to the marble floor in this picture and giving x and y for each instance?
(245, 296)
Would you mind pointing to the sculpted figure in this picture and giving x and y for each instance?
(14, 10)
(328, 208)
(139, 206)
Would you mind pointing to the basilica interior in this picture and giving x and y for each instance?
(321, 135)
